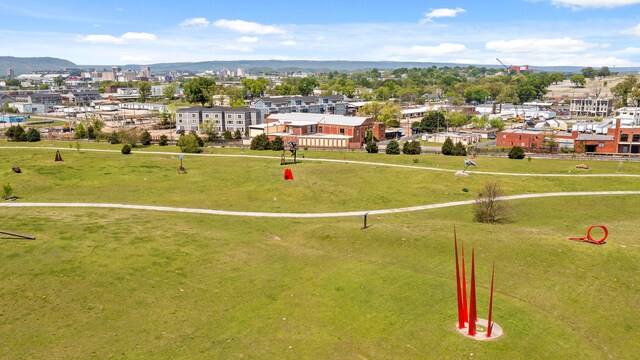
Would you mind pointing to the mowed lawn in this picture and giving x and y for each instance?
(143, 284)
(256, 184)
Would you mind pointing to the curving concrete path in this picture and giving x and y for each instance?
(307, 215)
(330, 160)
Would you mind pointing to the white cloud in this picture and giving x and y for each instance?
(439, 50)
(110, 39)
(580, 4)
(289, 43)
(443, 12)
(138, 59)
(138, 36)
(105, 39)
(238, 48)
(247, 39)
(199, 22)
(633, 31)
(247, 27)
(562, 45)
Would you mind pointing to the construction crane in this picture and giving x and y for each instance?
(505, 66)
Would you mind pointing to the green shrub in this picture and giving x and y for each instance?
(33, 135)
(7, 191)
(113, 138)
(277, 144)
(411, 148)
(189, 143)
(164, 140)
(260, 142)
(516, 152)
(393, 148)
(14, 132)
(459, 150)
(145, 138)
(126, 149)
(447, 147)
(372, 147)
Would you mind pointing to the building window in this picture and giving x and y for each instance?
(239, 116)
(601, 144)
(239, 122)
(636, 137)
(206, 115)
(179, 115)
(341, 131)
(193, 115)
(624, 137)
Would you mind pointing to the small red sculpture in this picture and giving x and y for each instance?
(589, 239)
(288, 175)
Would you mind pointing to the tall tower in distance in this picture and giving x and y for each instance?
(145, 71)
(10, 72)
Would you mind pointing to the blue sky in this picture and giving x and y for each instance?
(535, 32)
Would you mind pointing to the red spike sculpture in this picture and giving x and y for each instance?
(489, 324)
(472, 297)
(460, 311)
(465, 309)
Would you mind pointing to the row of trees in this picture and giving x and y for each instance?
(17, 133)
(261, 142)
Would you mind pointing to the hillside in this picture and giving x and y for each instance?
(21, 65)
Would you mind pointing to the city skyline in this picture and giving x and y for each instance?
(535, 32)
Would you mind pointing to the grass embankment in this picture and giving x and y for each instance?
(130, 284)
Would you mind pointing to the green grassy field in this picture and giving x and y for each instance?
(142, 284)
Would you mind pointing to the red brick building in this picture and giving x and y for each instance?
(323, 131)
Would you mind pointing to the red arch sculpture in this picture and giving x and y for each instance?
(589, 239)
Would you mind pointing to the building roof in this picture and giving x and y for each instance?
(320, 118)
(594, 137)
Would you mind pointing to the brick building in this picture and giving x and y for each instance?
(322, 131)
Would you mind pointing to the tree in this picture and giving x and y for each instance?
(227, 135)
(164, 140)
(255, 87)
(372, 147)
(433, 121)
(58, 81)
(411, 147)
(33, 135)
(260, 142)
(457, 120)
(589, 72)
(237, 134)
(556, 77)
(79, 132)
(516, 152)
(578, 80)
(277, 144)
(130, 136)
(13, 82)
(447, 147)
(199, 90)
(113, 138)
(14, 132)
(144, 91)
(488, 207)
(393, 148)
(476, 93)
(306, 85)
(604, 71)
(145, 138)
(383, 112)
(459, 150)
(126, 149)
(189, 144)
(623, 90)
(169, 91)
(497, 124)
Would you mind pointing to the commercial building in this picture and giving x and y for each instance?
(323, 104)
(591, 107)
(320, 130)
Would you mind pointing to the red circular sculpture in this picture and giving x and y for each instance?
(589, 239)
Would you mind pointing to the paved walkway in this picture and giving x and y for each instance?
(328, 160)
(307, 215)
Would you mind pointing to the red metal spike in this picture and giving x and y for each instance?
(472, 297)
(465, 309)
(489, 324)
(460, 317)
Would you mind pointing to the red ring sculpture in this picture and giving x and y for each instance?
(589, 239)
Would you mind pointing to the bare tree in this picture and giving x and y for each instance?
(488, 208)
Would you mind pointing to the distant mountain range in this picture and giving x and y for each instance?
(25, 65)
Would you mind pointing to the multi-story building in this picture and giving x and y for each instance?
(145, 71)
(591, 107)
(323, 104)
(224, 119)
